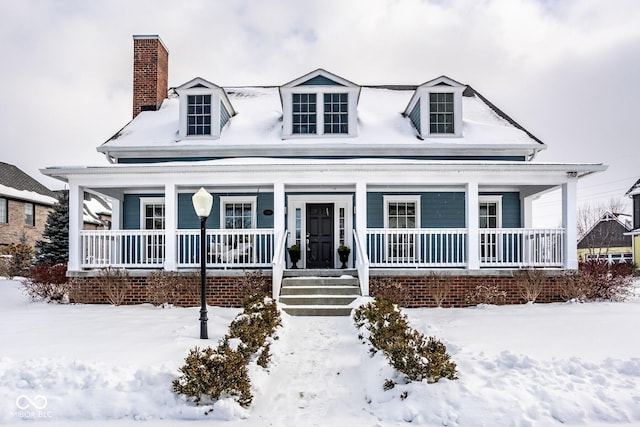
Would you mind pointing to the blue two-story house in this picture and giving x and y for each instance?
(411, 179)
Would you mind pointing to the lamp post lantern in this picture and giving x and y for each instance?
(202, 202)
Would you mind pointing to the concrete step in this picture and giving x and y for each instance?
(323, 300)
(320, 272)
(317, 310)
(319, 281)
(320, 290)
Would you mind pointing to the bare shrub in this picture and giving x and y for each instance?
(77, 291)
(4, 265)
(47, 282)
(389, 289)
(162, 287)
(596, 281)
(115, 284)
(254, 283)
(440, 286)
(530, 283)
(19, 260)
(189, 286)
(486, 294)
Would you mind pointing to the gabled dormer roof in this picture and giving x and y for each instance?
(320, 77)
(634, 190)
(442, 81)
(200, 83)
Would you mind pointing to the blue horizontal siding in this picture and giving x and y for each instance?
(414, 116)
(511, 215)
(320, 81)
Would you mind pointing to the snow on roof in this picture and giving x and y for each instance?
(30, 196)
(259, 123)
(93, 207)
(635, 189)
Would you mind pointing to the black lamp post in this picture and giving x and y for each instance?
(202, 202)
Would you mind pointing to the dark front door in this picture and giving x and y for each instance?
(320, 235)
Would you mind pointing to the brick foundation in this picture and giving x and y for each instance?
(222, 291)
(421, 288)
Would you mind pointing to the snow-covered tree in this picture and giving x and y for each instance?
(54, 248)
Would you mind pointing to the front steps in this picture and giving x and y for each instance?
(319, 292)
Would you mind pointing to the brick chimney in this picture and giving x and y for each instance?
(150, 73)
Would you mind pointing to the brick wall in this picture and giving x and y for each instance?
(222, 291)
(150, 73)
(421, 288)
(13, 231)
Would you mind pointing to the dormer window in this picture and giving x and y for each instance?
(319, 104)
(198, 115)
(441, 113)
(435, 110)
(204, 109)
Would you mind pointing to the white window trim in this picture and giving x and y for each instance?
(215, 112)
(425, 119)
(253, 200)
(404, 198)
(498, 201)
(319, 91)
(144, 201)
(6, 206)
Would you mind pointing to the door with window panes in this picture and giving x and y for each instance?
(238, 215)
(153, 219)
(401, 246)
(489, 219)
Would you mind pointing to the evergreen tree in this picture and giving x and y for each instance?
(54, 248)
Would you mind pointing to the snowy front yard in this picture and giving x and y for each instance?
(529, 365)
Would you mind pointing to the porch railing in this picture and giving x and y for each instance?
(227, 248)
(416, 247)
(122, 248)
(146, 248)
(521, 247)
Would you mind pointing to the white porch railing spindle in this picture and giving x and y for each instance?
(521, 247)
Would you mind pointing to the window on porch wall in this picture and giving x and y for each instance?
(402, 214)
(489, 218)
(237, 215)
(154, 219)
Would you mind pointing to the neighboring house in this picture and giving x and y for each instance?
(634, 193)
(96, 212)
(607, 240)
(24, 206)
(412, 179)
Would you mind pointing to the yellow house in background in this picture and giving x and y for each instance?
(634, 193)
(607, 240)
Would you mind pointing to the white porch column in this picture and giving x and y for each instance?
(279, 224)
(526, 209)
(473, 225)
(361, 229)
(76, 197)
(170, 227)
(116, 214)
(569, 223)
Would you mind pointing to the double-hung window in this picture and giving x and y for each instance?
(29, 214)
(238, 213)
(304, 113)
(153, 218)
(490, 210)
(402, 215)
(441, 116)
(198, 115)
(336, 113)
(4, 211)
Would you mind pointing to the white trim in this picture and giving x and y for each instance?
(425, 119)
(410, 241)
(410, 198)
(300, 201)
(253, 200)
(144, 201)
(497, 199)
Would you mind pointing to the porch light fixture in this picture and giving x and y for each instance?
(202, 202)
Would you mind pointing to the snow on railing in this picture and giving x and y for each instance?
(416, 247)
(521, 247)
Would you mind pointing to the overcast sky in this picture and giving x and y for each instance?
(567, 70)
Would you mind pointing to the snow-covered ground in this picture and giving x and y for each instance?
(528, 365)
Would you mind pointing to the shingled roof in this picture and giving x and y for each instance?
(11, 176)
(634, 188)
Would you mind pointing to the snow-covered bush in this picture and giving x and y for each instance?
(47, 282)
(222, 372)
(213, 374)
(530, 283)
(408, 351)
(486, 294)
